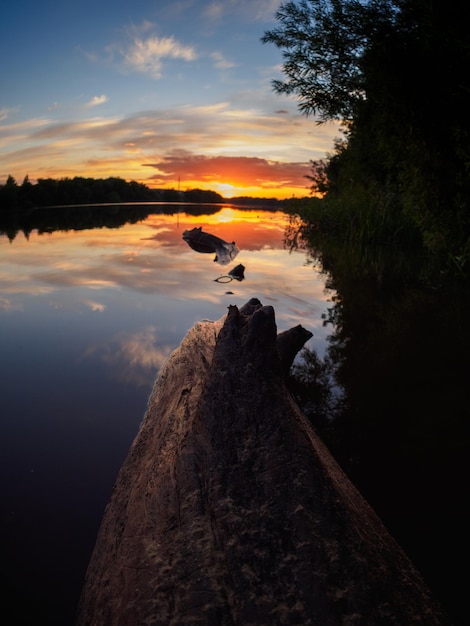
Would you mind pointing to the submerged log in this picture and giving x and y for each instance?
(229, 510)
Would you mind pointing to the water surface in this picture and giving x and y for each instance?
(87, 317)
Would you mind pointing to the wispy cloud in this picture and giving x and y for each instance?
(148, 55)
(134, 357)
(221, 62)
(6, 111)
(214, 10)
(8, 306)
(255, 9)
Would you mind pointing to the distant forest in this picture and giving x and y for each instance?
(80, 203)
(48, 192)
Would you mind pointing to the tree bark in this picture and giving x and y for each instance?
(229, 510)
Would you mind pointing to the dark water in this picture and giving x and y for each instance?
(87, 317)
(400, 343)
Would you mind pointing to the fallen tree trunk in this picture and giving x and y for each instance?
(229, 510)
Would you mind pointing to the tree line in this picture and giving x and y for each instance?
(392, 72)
(80, 190)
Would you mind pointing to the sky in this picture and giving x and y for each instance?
(173, 94)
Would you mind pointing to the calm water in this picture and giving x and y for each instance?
(87, 317)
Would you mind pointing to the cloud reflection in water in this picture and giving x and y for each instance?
(133, 357)
(144, 275)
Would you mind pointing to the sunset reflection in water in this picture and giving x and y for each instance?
(87, 319)
(151, 287)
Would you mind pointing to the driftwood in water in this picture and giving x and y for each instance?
(206, 243)
(229, 510)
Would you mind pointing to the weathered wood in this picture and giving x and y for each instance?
(288, 345)
(229, 510)
(206, 243)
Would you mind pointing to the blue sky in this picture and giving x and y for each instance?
(167, 93)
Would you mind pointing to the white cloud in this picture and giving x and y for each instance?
(97, 100)
(147, 55)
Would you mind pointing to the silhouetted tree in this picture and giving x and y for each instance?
(202, 195)
(9, 194)
(376, 66)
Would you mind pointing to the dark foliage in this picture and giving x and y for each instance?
(391, 72)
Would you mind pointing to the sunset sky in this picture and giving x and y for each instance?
(171, 93)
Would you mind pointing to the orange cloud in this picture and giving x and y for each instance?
(249, 175)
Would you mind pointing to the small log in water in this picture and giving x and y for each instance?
(206, 243)
(229, 510)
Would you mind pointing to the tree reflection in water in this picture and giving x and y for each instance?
(400, 426)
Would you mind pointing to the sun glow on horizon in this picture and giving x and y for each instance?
(228, 191)
(58, 153)
(231, 175)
